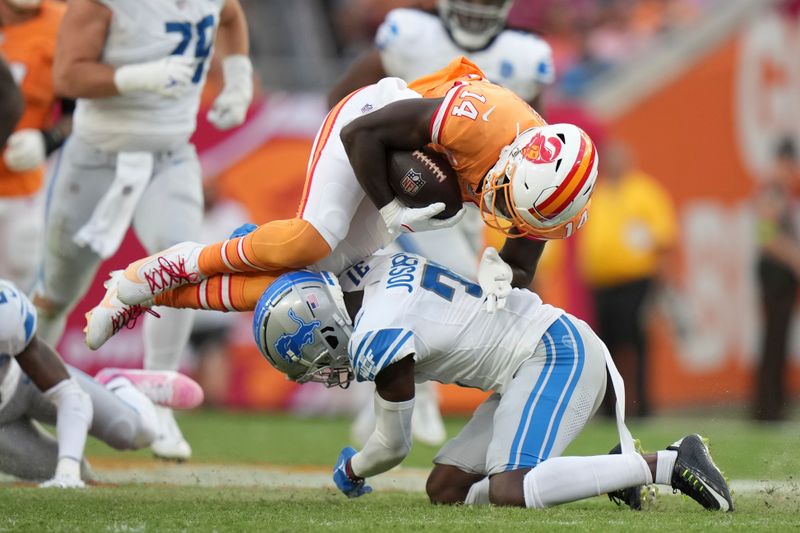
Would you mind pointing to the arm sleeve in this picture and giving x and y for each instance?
(390, 442)
(74, 416)
(372, 351)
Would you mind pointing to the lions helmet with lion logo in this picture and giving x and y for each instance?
(542, 183)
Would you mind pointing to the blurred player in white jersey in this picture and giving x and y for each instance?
(35, 386)
(404, 320)
(410, 44)
(136, 68)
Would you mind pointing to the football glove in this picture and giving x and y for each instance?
(402, 219)
(244, 229)
(25, 150)
(494, 277)
(230, 107)
(351, 485)
(170, 76)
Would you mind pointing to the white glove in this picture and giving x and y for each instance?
(402, 219)
(230, 107)
(63, 482)
(494, 277)
(170, 77)
(25, 150)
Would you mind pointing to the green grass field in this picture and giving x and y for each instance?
(743, 450)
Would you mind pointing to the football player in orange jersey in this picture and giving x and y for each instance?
(11, 104)
(28, 29)
(531, 180)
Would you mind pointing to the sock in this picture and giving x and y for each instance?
(126, 391)
(664, 466)
(165, 338)
(276, 245)
(478, 493)
(227, 292)
(566, 479)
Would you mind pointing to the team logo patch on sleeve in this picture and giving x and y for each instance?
(289, 345)
(412, 182)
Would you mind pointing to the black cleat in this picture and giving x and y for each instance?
(632, 496)
(696, 475)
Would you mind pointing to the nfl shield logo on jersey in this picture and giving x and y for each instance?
(412, 182)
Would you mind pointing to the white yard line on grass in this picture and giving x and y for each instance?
(399, 479)
(308, 477)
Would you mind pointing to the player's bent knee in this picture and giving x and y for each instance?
(507, 488)
(448, 485)
(123, 433)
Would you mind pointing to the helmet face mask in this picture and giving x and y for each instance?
(541, 185)
(302, 328)
(473, 23)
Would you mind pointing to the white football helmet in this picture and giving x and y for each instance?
(473, 23)
(302, 328)
(542, 183)
(25, 4)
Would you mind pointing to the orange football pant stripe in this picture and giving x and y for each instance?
(276, 245)
(235, 292)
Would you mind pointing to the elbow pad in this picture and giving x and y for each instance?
(390, 442)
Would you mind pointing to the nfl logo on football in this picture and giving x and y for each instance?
(412, 182)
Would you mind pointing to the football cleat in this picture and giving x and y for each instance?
(696, 475)
(111, 315)
(632, 496)
(169, 443)
(163, 387)
(148, 277)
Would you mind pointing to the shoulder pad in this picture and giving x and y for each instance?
(17, 320)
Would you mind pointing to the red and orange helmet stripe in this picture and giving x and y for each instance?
(572, 184)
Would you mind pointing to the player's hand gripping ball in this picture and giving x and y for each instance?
(423, 177)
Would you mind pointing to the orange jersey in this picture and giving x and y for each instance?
(476, 120)
(28, 49)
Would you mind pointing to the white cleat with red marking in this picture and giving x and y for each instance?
(149, 277)
(111, 315)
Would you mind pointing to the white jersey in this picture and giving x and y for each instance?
(413, 43)
(17, 328)
(142, 31)
(414, 306)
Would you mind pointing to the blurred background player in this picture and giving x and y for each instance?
(35, 386)
(137, 70)
(624, 257)
(410, 44)
(28, 30)
(11, 103)
(778, 268)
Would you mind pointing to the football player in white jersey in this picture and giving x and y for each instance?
(117, 407)
(415, 321)
(409, 44)
(136, 68)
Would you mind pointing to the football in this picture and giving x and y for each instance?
(423, 177)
